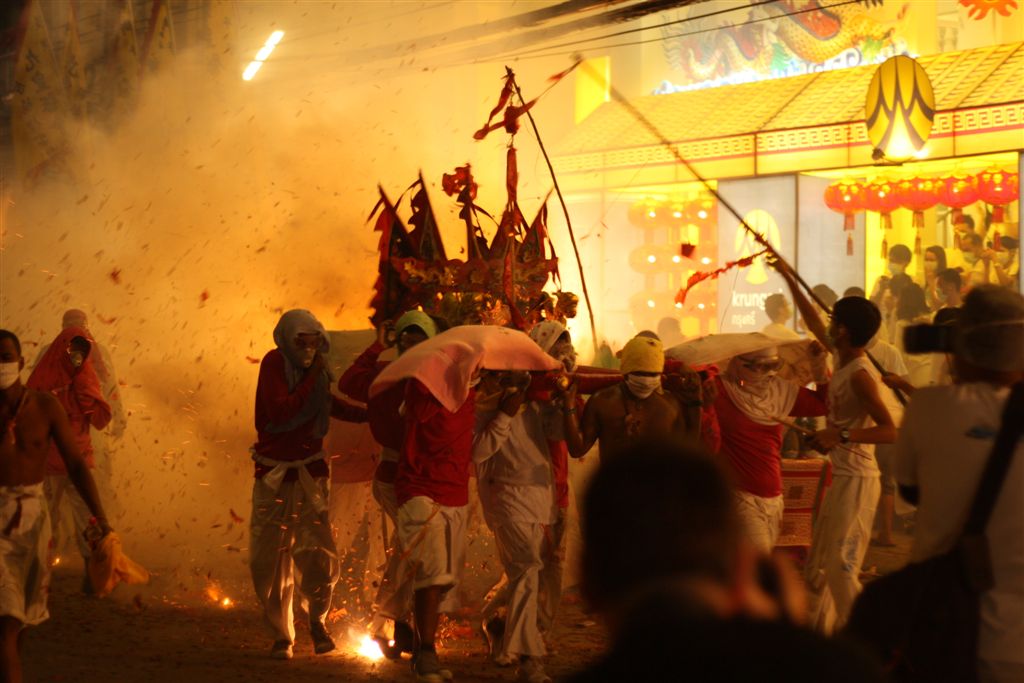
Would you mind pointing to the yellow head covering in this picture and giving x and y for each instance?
(642, 354)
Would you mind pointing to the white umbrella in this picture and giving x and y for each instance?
(719, 348)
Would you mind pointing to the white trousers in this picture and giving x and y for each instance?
(761, 518)
(520, 545)
(62, 496)
(394, 597)
(289, 533)
(24, 553)
(842, 533)
(553, 570)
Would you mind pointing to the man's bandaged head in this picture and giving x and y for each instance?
(642, 354)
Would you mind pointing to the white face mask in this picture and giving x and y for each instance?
(641, 386)
(9, 373)
(896, 268)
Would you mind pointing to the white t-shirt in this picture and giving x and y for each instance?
(946, 439)
(514, 473)
(891, 360)
(845, 411)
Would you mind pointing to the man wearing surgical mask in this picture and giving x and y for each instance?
(290, 529)
(31, 422)
(752, 399)
(978, 261)
(66, 371)
(637, 408)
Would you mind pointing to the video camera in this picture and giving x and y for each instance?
(933, 338)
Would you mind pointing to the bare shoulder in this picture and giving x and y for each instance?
(44, 404)
(607, 396)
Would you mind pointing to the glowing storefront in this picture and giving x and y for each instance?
(772, 148)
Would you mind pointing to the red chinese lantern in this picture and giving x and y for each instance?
(846, 197)
(918, 195)
(957, 192)
(998, 188)
(881, 196)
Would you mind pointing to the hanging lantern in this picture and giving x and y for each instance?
(647, 214)
(881, 196)
(998, 188)
(957, 192)
(900, 109)
(846, 197)
(918, 195)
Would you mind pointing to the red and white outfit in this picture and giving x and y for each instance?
(432, 486)
(289, 526)
(394, 596)
(432, 479)
(80, 393)
(751, 443)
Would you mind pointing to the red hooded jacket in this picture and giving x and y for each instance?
(77, 389)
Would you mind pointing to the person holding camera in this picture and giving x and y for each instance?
(516, 486)
(943, 446)
(683, 596)
(857, 420)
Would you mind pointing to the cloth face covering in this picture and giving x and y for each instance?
(549, 336)
(642, 386)
(764, 396)
(9, 373)
(292, 324)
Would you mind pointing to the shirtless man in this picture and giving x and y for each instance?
(28, 421)
(637, 408)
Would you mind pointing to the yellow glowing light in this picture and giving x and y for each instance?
(900, 109)
(651, 214)
(369, 648)
(652, 258)
(251, 70)
(650, 303)
(705, 260)
(677, 214)
(678, 305)
(226, 602)
(262, 55)
(702, 214)
(677, 259)
(700, 306)
(56, 561)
